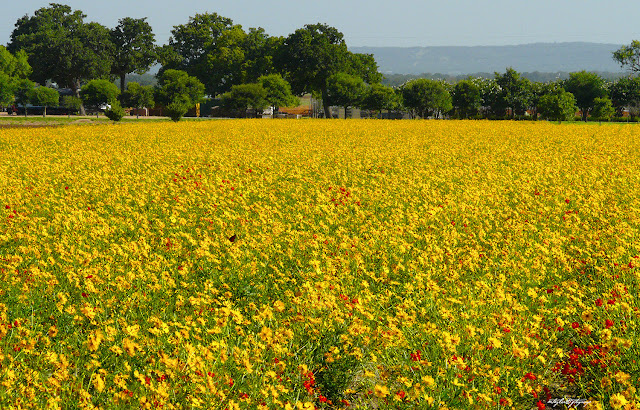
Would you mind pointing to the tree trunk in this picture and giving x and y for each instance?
(75, 87)
(325, 104)
(345, 112)
(585, 113)
(122, 76)
(25, 110)
(44, 113)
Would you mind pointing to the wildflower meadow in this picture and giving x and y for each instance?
(320, 265)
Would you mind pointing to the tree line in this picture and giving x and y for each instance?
(212, 56)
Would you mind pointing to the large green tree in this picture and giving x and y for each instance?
(177, 91)
(557, 105)
(585, 87)
(426, 97)
(466, 98)
(625, 93)
(22, 89)
(134, 48)
(219, 53)
(243, 96)
(98, 93)
(380, 97)
(515, 92)
(44, 96)
(278, 91)
(138, 96)
(62, 47)
(602, 109)
(311, 55)
(345, 90)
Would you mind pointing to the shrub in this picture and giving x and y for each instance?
(116, 112)
(176, 110)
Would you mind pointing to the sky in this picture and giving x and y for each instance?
(377, 23)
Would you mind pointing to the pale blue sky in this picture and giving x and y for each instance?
(381, 23)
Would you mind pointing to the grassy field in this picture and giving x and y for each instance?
(319, 264)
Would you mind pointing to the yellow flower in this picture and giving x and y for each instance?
(495, 343)
(98, 382)
(622, 377)
(129, 346)
(381, 391)
(278, 305)
(429, 381)
(587, 315)
(617, 401)
(94, 340)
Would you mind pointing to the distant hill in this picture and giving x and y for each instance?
(541, 57)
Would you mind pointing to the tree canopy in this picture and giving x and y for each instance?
(62, 47)
(426, 97)
(311, 55)
(585, 87)
(134, 48)
(558, 105)
(629, 56)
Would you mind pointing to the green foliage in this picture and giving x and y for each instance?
(116, 112)
(99, 92)
(558, 105)
(45, 96)
(13, 69)
(14, 66)
(426, 97)
(6, 89)
(62, 47)
(585, 87)
(219, 53)
(466, 98)
(345, 90)
(380, 97)
(175, 86)
(310, 56)
(625, 93)
(72, 103)
(629, 56)
(138, 96)
(176, 110)
(22, 91)
(244, 96)
(134, 48)
(333, 377)
(602, 109)
(515, 92)
(364, 66)
(278, 91)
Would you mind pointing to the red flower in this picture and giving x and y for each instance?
(575, 325)
(530, 376)
(608, 323)
(540, 405)
(598, 302)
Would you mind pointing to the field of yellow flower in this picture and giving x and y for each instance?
(320, 264)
